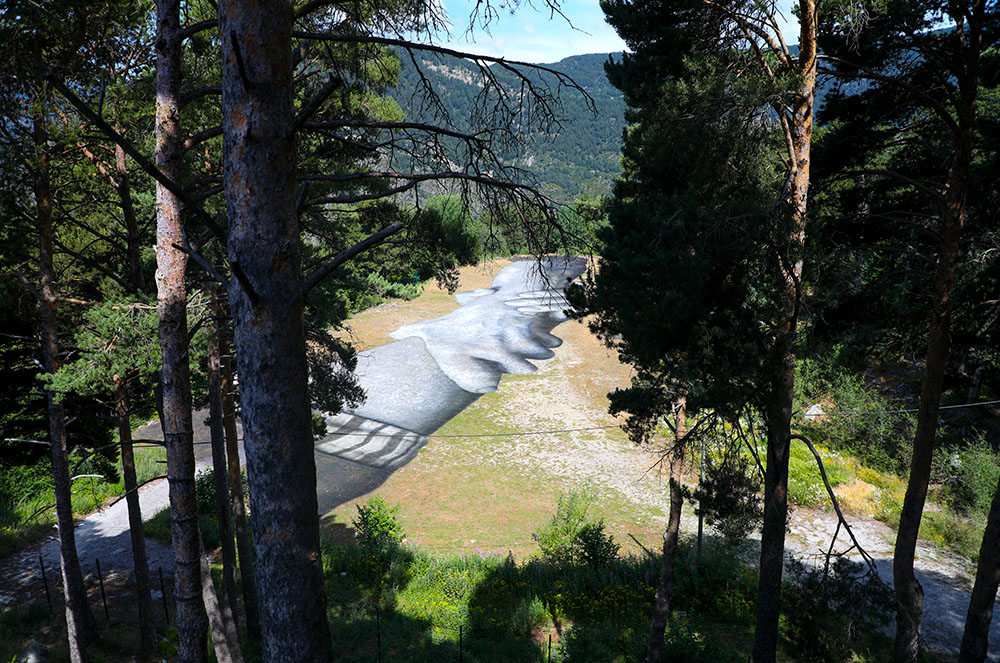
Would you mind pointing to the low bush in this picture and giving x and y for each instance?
(573, 537)
(376, 526)
(951, 530)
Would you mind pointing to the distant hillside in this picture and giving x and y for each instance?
(582, 158)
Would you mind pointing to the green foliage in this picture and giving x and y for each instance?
(116, 339)
(594, 547)
(828, 617)
(377, 526)
(728, 495)
(318, 426)
(572, 537)
(700, 170)
(976, 478)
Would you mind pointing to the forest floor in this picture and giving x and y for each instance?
(545, 433)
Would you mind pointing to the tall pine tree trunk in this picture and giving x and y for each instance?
(975, 638)
(778, 415)
(661, 611)
(909, 593)
(248, 578)
(171, 265)
(267, 303)
(147, 634)
(80, 625)
(133, 241)
(217, 429)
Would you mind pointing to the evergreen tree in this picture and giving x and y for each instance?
(922, 88)
(701, 283)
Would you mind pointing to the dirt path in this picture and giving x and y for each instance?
(944, 575)
(103, 536)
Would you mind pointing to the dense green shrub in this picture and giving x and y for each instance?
(556, 538)
(975, 481)
(593, 546)
(714, 582)
(868, 425)
(572, 537)
(376, 526)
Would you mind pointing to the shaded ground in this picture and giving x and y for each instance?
(464, 491)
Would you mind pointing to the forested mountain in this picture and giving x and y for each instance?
(580, 157)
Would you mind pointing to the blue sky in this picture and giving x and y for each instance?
(530, 35)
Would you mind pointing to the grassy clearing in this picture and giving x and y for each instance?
(463, 493)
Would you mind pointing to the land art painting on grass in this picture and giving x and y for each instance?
(436, 368)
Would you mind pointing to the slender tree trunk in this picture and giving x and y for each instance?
(779, 412)
(975, 638)
(909, 593)
(171, 264)
(147, 634)
(225, 636)
(80, 624)
(220, 475)
(133, 245)
(661, 612)
(267, 303)
(248, 579)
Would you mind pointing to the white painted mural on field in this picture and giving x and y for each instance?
(438, 367)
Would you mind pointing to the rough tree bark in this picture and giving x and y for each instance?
(147, 634)
(909, 593)
(661, 611)
(267, 300)
(217, 429)
(225, 638)
(80, 625)
(171, 265)
(248, 578)
(778, 413)
(133, 245)
(975, 637)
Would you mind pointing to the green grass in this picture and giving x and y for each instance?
(805, 484)
(30, 520)
(505, 610)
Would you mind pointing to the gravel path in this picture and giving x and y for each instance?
(943, 575)
(102, 535)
